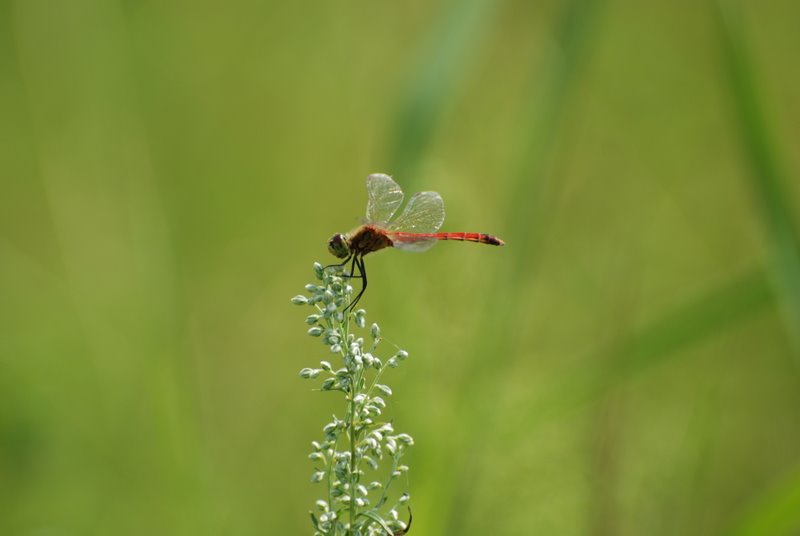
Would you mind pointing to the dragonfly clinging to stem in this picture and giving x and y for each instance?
(415, 229)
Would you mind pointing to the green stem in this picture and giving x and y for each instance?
(351, 422)
(352, 425)
(385, 493)
(329, 466)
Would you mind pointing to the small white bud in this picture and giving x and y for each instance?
(315, 331)
(299, 300)
(406, 439)
(327, 385)
(330, 427)
(309, 373)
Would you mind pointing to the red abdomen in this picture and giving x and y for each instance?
(481, 238)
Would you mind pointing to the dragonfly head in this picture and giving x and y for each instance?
(338, 246)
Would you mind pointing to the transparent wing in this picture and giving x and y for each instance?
(412, 242)
(384, 197)
(423, 214)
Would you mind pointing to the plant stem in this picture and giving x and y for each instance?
(346, 496)
(352, 426)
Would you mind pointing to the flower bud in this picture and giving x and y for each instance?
(309, 373)
(315, 331)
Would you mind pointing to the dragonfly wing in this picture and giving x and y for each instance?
(423, 214)
(411, 242)
(384, 197)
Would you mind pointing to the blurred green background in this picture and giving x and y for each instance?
(628, 364)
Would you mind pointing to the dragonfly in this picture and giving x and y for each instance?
(415, 229)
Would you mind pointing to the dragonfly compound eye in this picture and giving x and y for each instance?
(338, 246)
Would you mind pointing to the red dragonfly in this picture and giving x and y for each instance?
(416, 229)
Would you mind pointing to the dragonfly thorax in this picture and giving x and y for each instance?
(365, 239)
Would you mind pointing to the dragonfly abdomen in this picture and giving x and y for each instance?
(481, 238)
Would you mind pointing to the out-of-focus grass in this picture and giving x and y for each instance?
(443, 59)
(767, 177)
(623, 366)
(549, 90)
(667, 337)
(779, 511)
(775, 512)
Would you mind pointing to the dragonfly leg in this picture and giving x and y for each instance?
(359, 263)
(356, 262)
(340, 265)
(353, 267)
